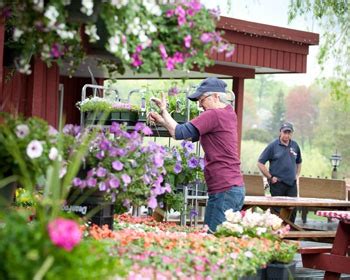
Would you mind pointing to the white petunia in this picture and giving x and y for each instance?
(22, 130)
(91, 31)
(51, 13)
(87, 7)
(113, 43)
(34, 149)
(17, 33)
(53, 153)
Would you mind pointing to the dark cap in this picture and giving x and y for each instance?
(210, 84)
(287, 126)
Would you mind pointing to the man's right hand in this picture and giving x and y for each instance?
(161, 103)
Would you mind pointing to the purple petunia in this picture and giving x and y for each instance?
(117, 165)
(101, 172)
(114, 183)
(193, 162)
(91, 182)
(126, 179)
(177, 168)
(152, 202)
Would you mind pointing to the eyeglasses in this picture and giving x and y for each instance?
(202, 100)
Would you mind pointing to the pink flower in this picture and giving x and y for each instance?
(152, 202)
(187, 41)
(64, 233)
(163, 52)
(206, 37)
(136, 61)
(170, 63)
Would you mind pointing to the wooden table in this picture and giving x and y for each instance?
(333, 261)
(288, 203)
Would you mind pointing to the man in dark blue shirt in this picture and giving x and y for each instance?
(284, 157)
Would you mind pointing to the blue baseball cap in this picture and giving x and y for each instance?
(210, 84)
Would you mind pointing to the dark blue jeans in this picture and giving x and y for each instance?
(220, 202)
(282, 189)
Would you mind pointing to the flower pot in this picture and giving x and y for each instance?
(260, 275)
(91, 203)
(142, 117)
(130, 117)
(7, 195)
(280, 271)
(178, 117)
(92, 117)
(75, 14)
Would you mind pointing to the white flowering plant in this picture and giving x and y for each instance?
(252, 224)
(141, 35)
(35, 141)
(99, 104)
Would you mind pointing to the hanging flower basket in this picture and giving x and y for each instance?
(179, 117)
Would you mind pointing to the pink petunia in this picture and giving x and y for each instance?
(64, 233)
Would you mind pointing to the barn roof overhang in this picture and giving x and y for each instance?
(259, 49)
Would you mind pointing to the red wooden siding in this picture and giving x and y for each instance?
(72, 94)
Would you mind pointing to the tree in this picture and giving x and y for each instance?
(334, 19)
(333, 132)
(278, 114)
(302, 112)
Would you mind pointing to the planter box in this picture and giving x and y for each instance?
(142, 117)
(97, 118)
(129, 117)
(260, 275)
(92, 204)
(7, 195)
(280, 271)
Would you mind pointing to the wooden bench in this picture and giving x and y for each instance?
(312, 234)
(321, 188)
(254, 184)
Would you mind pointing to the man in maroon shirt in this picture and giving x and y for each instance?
(216, 129)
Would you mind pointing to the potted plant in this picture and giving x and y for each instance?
(174, 36)
(125, 169)
(282, 264)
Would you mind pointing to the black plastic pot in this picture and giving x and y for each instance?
(178, 117)
(280, 271)
(91, 204)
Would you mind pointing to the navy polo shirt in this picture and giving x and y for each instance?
(283, 160)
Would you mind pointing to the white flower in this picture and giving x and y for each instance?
(17, 33)
(151, 27)
(63, 170)
(233, 217)
(63, 33)
(260, 230)
(51, 13)
(152, 8)
(38, 5)
(34, 149)
(22, 130)
(249, 254)
(119, 3)
(87, 7)
(53, 153)
(91, 31)
(113, 43)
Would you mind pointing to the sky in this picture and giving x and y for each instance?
(272, 12)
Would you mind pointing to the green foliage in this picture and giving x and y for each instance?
(172, 200)
(333, 17)
(250, 152)
(17, 135)
(278, 114)
(27, 252)
(284, 252)
(256, 134)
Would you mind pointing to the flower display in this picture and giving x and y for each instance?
(142, 35)
(129, 171)
(150, 250)
(253, 224)
(64, 233)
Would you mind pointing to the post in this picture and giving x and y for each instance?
(334, 173)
